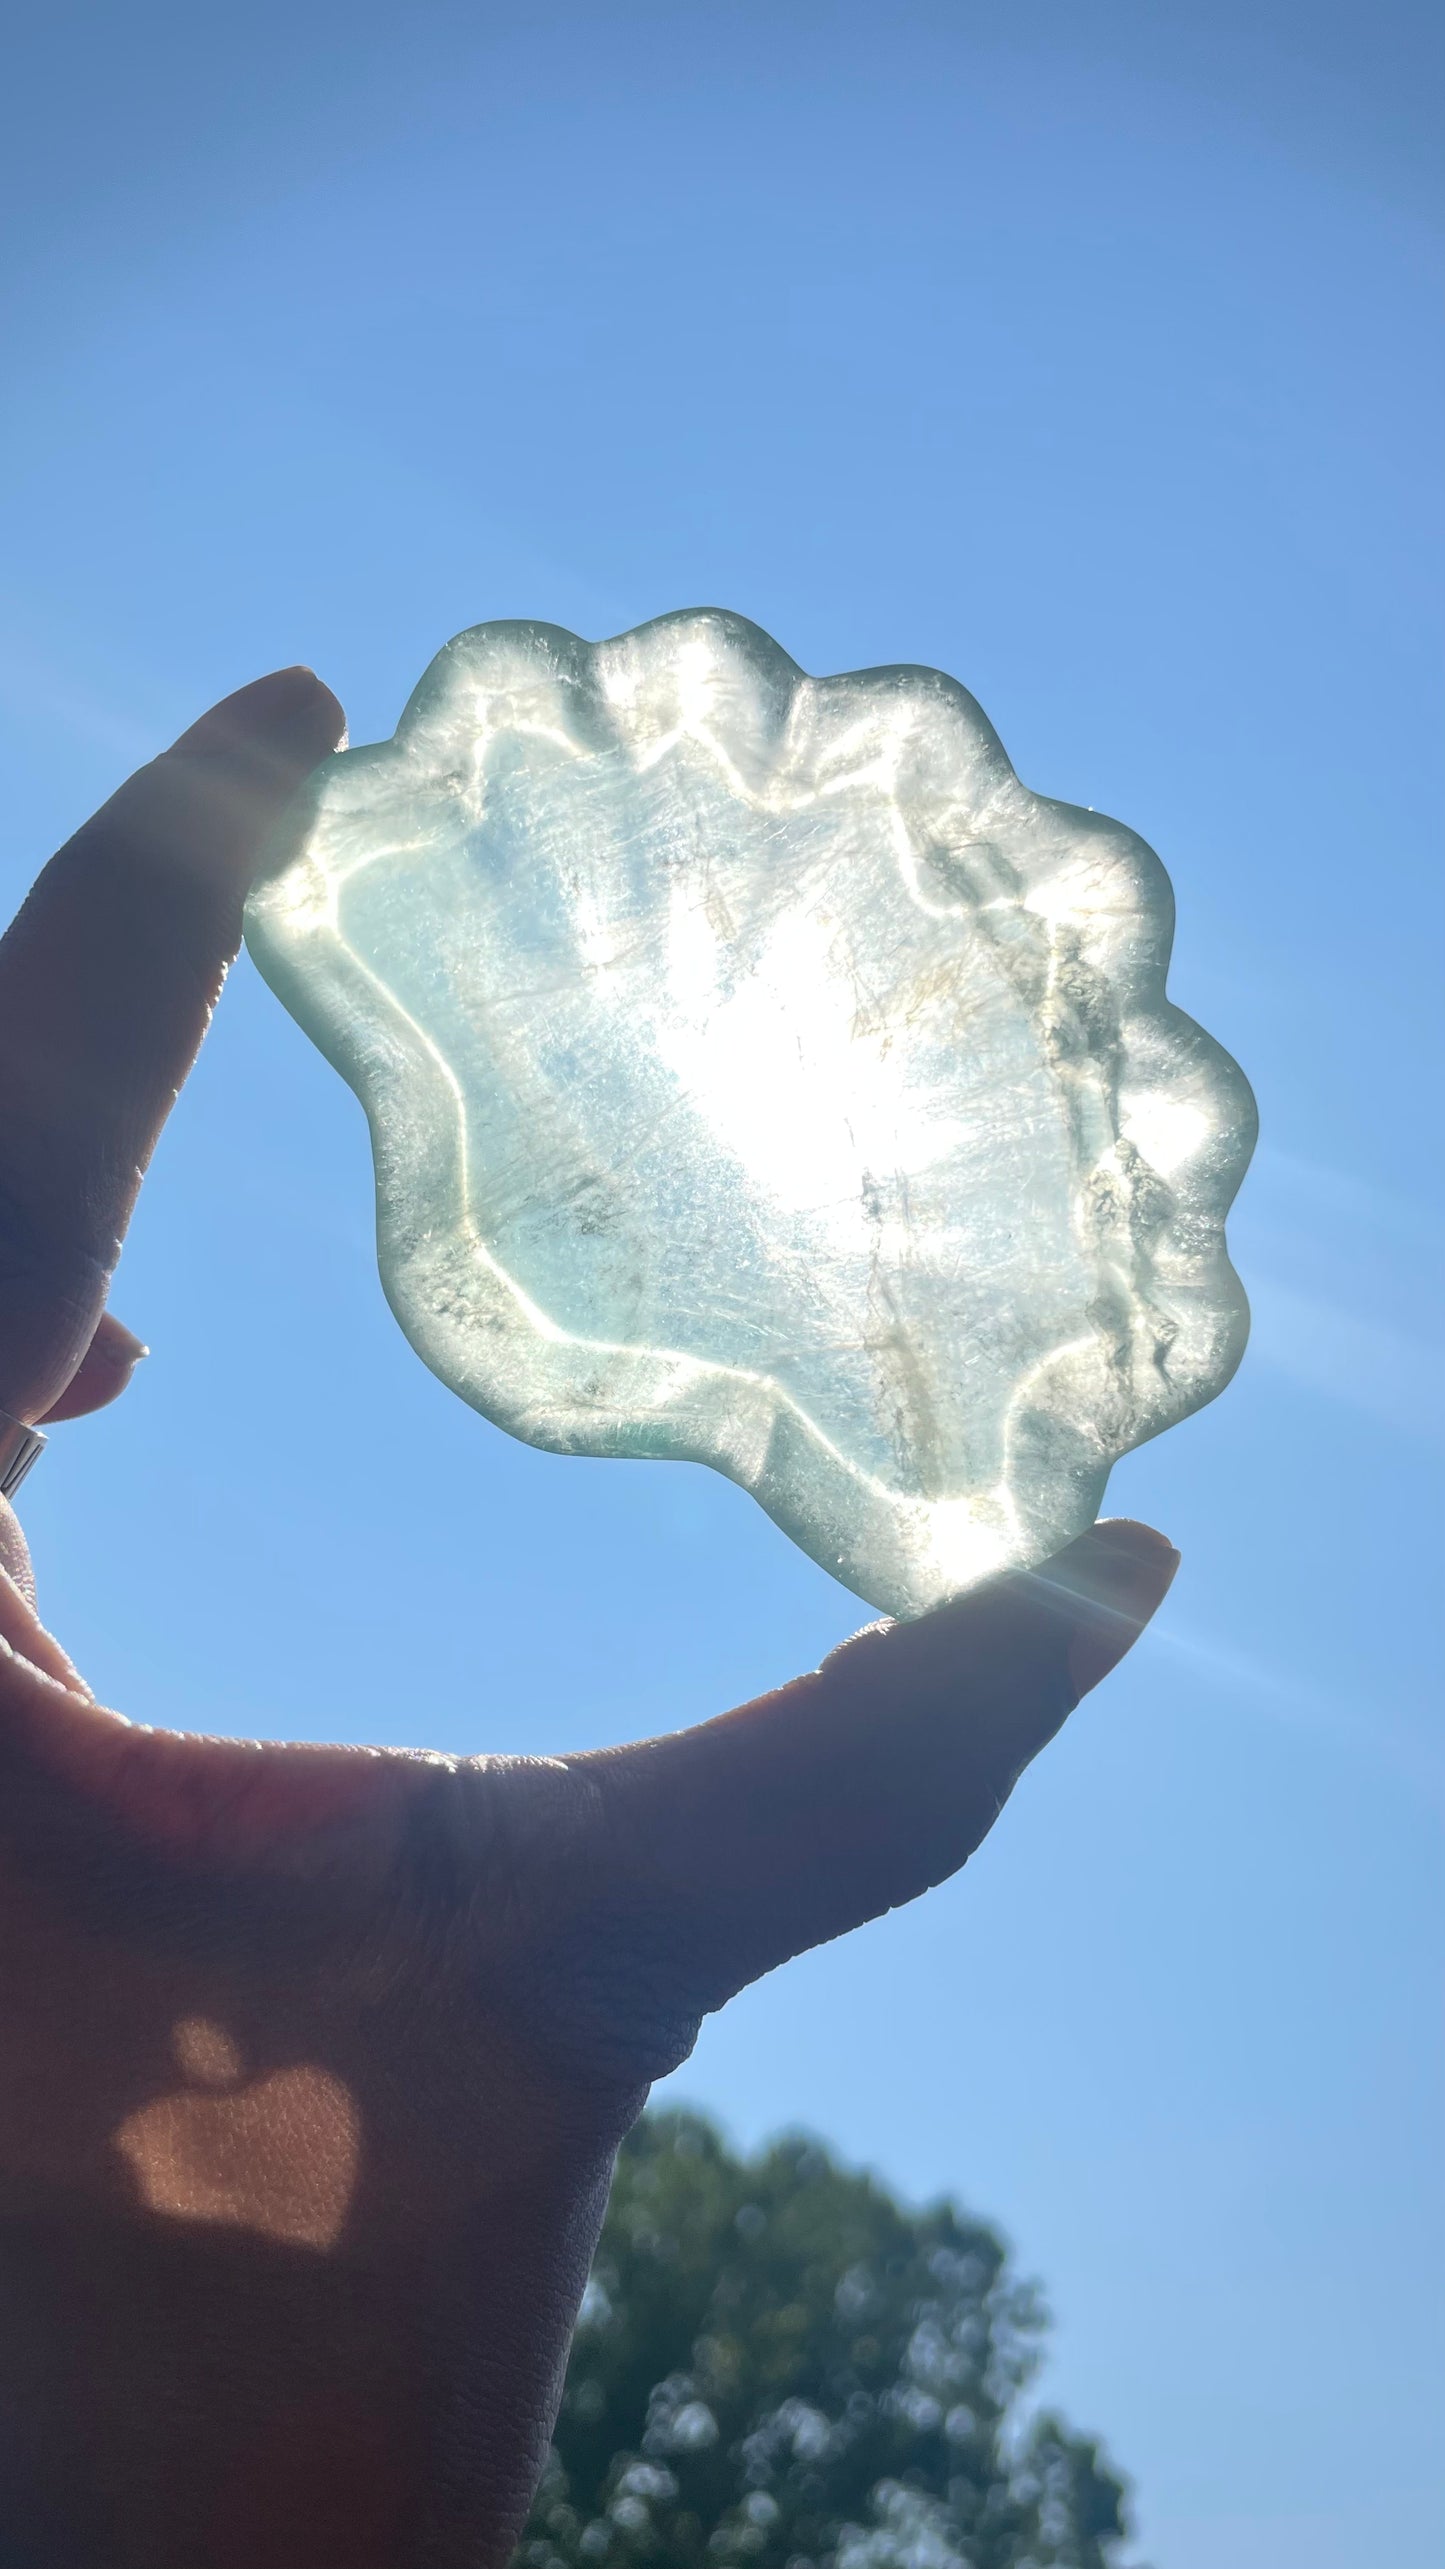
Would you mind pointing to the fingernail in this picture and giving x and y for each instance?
(1122, 1572)
(120, 1346)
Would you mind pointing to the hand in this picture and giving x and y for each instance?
(316, 2059)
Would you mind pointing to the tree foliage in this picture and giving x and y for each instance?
(778, 2365)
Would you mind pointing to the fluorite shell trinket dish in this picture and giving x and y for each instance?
(759, 1074)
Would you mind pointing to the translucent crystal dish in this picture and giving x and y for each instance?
(759, 1073)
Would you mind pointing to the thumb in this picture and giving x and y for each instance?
(855, 1788)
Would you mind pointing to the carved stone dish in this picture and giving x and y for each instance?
(759, 1073)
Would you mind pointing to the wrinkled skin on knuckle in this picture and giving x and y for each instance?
(587, 1972)
(612, 2007)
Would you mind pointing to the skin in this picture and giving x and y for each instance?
(316, 2060)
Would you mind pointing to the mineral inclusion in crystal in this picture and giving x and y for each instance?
(759, 1073)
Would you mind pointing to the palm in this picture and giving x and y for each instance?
(319, 2058)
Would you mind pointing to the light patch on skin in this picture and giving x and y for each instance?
(205, 2052)
(278, 2156)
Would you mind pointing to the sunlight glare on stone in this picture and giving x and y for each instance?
(760, 1074)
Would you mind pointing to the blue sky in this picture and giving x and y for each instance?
(1093, 355)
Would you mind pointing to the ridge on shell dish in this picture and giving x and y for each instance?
(759, 1073)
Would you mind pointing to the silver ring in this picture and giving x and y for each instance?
(20, 1446)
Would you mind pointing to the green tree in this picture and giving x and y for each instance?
(777, 2364)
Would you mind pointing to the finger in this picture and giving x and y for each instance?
(107, 979)
(15, 1563)
(24, 1639)
(856, 1788)
(102, 1374)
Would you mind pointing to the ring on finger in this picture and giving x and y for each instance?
(20, 1446)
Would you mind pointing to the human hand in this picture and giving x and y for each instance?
(317, 2058)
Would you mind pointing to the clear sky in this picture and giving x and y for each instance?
(1091, 353)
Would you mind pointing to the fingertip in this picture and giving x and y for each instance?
(206, 811)
(289, 715)
(1119, 1574)
(103, 1373)
(118, 1346)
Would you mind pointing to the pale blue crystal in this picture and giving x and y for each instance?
(759, 1073)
